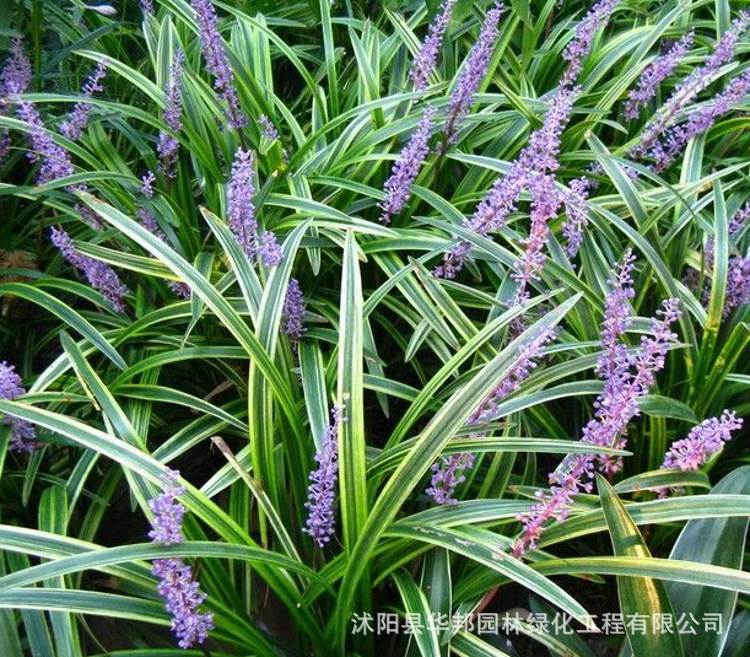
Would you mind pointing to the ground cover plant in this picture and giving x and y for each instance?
(374, 328)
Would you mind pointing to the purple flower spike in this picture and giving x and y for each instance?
(240, 195)
(702, 442)
(627, 379)
(649, 144)
(631, 379)
(217, 61)
(654, 74)
(78, 119)
(406, 168)
(168, 512)
(99, 274)
(580, 46)
(321, 525)
(472, 73)
(267, 129)
(168, 147)
(447, 472)
(521, 369)
(183, 597)
(10, 382)
(426, 61)
(16, 75)
(147, 7)
(673, 143)
(293, 313)
(447, 476)
(22, 432)
(576, 204)
(545, 204)
(538, 158)
(613, 364)
(738, 285)
(177, 584)
(55, 160)
(738, 221)
(554, 505)
(241, 211)
(269, 249)
(15, 78)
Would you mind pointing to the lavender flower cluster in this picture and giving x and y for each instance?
(15, 78)
(426, 61)
(702, 442)
(293, 313)
(321, 523)
(661, 140)
(448, 471)
(473, 72)
(738, 283)
(241, 211)
(168, 147)
(16, 74)
(74, 125)
(738, 279)
(22, 432)
(662, 67)
(738, 274)
(217, 61)
(532, 171)
(406, 168)
(99, 274)
(628, 376)
(177, 584)
(580, 46)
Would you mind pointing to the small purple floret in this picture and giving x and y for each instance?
(654, 74)
(78, 119)
(22, 432)
(147, 184)
(99, 274)
(406, 168)
(168, 147)
(426, 61)
(217, 61)
(177, 584)
(321, 524)
(473, 72)
(293, 313)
